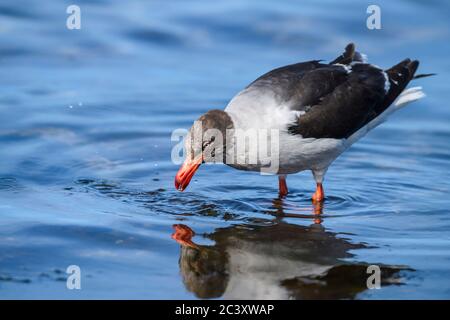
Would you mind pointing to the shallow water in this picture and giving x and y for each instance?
(86, 177)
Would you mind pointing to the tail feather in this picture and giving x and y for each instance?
(406, 97)
(397, 97)
(409, 95)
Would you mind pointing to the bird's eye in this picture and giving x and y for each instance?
(207, 143)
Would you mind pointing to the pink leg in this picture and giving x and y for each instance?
(319, 195)
(282, 186)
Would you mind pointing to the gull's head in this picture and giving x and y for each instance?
(205, 142)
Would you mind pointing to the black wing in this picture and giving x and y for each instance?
(337, 98)
(305, 84)
(355, 101)
(301, 85)
(349, 106)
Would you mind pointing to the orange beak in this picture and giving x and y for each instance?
(186, 172)
(183, 235)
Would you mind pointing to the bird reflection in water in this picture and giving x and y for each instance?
(277, 261)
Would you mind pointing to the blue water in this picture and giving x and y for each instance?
(86, 176)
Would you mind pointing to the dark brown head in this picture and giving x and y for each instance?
(205, 142)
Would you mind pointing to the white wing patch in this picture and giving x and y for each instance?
(409, 95)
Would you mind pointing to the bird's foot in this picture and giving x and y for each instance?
(319, 195)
